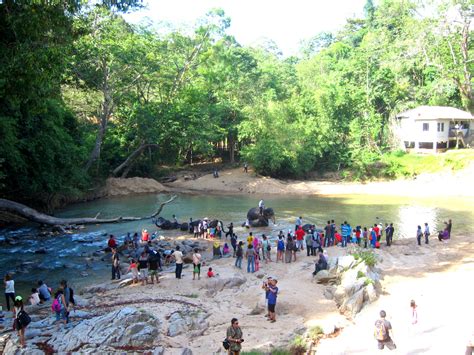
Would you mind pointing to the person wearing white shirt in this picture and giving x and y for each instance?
(261, 207)
(9, 290)
(178, 257)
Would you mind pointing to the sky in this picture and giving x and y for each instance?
(287, 22)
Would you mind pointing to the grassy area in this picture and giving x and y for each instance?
(414, 164)
(399, 164)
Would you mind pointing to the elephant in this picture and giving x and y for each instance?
(258, 220)
(165, 224)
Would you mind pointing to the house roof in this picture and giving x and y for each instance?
(435, 113)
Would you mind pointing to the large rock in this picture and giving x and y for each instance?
(127, 327)
(345, 262)
(370, 295)
(351, 282)
(187, 321)
(353, 305)
(217, 284)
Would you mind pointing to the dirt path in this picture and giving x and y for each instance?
(439, 279)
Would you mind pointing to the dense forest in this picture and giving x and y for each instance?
(84, 95)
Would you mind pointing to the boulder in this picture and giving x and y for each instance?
(353, 305)
(186, 321)
(329, 292)
(125, 327)
(370, 295)
(345, 262)
(215, 285)
(351, 283)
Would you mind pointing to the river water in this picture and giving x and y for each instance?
(66, 255)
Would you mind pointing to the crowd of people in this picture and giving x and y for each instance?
(145, 262)
(62, 303)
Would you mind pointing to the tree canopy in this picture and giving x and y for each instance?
(86, 95)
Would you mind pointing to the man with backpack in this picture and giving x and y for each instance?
(383, 330)
(234, 338)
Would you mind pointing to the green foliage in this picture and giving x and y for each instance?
(315, 333)
(298, 346)
(366, 255)
(78, 84)
(360, 274)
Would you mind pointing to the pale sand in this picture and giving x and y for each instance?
(443, 184)
(437, 276)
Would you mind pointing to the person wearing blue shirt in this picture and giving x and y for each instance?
(272, 298)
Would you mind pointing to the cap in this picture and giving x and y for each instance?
(18, 298)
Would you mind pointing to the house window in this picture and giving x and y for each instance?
(426, 127)
(440, 126)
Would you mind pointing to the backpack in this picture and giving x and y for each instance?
(56, 306)
(23, 318)
(281, 245)
(380, 332)
(226, 344)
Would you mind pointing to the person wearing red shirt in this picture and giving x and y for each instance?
(145, 236)
(338, 237)
(112, 243)
(299, 238)
(377, 231)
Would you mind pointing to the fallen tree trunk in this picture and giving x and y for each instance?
(38, 217)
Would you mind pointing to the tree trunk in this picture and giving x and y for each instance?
(126, 165)
(231, 144)
(466, 87)
(38, 217)
(106, 112)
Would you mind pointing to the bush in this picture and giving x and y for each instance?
(360, 274)
(367, 255)
(315, 333)
(298, 346)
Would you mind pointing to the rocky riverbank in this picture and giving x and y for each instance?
(191, 316)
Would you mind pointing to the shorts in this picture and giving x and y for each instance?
(143, 273)
(153, 272)
(386, 343)
(198, 266)
(271, 308)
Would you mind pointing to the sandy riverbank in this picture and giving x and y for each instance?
(443, 184)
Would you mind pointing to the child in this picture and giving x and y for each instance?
(212, 232)
(354, 236)
(257, 262)
(19, 326)
(34, 298)
(134, 269)
(226, 250)
(210, 273)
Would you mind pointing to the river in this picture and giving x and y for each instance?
(66, 255)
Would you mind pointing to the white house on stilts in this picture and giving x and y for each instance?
(434, 128)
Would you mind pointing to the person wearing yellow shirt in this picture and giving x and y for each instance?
(250, 239)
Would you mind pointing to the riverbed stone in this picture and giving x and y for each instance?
(353, 305)
(125, 327)
(345, 262)
(187, 321)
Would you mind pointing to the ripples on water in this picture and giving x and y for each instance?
(66, 255)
